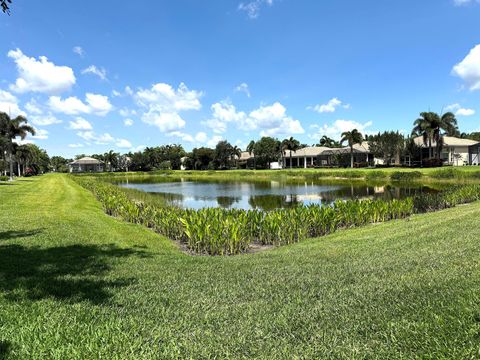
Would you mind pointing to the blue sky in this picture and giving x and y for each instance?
(95, 75)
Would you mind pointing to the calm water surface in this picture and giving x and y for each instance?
(266, 195)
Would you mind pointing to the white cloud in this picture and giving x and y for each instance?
(116, 93)
(100, 72)
(469, 69)
(337, 128)
(464, 2)
(182, 135)
(128, 122)
(162, 104)
(222, 114)
(252, 8)
(95, 104)
(33, 107)
(103, 139)
(201, 137)
(330, 107)
(40, 75)
(125, 112)
(80, 124)
(123, 143)
(9, 104)
(128, 90)
(243, 87)
(459, 110)
(273, 121)
(40, 134)
(19, 141)
(75, 145)
(44, 120)
(214, 141)
(79, 51)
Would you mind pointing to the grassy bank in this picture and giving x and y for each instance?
(75, 283)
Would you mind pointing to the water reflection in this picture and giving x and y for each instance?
(268, 195)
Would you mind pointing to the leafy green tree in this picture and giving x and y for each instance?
(223, 154)
(59, 164)
(387, 145)
(250, 149)
(267, 150)
(111, 159)
(351, 137)
(10, 129)
(290, 145)
(202, 158)
(328, 142)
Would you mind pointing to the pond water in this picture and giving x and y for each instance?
(267, 195)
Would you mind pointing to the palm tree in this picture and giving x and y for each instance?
(328, 142)
(352, 137)
(11, 129)
(24, 155)
(291, 145)
(250, 148)
(236, 153)
(430, 125)
(110, 158)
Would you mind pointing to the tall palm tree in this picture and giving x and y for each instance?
(236, 153)
(250, 148)
(328, 142)
(430, 125)
(290, 145)
(11, 129)
(110, 158)
(24, 155)
(352, 137)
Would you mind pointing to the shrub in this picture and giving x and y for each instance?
(405, 175)
(3, 178)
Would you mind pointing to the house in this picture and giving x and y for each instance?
(86, 164)
(455, 151)
(318, 156)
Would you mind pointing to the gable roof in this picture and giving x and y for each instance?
(86, 161)
(447, 141)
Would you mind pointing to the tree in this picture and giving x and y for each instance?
(236, 153)
(4, 4)
(250, 149)
(59, 164)
(328, 142)
(267, 150)
(10, 129)
(202, 157)
(223, 154)
(290, 145)
(111, 158)
(351, 137)
(387, 145)
(23, 154)
(430, 125)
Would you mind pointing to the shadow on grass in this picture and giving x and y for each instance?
(4, 349)
(10, 235)
(72, 273)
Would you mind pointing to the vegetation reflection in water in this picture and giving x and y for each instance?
(267, 195)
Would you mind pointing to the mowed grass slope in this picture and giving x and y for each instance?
(75, 283)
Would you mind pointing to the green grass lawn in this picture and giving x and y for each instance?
(77, 284)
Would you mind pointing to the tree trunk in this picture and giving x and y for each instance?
(11, 167)
(18, 169)
(429, 147)
(290, 159)
(351, 156)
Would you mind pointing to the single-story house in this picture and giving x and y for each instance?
(455, 151)
(86, 164)
(318, 156)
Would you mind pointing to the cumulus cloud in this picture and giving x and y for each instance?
(92, 69)
(459, 110)
(44, 120)
(330, 107)
(40, 75)
(184, 136)
(94, 104)
(469, 69)
(78, 145)
(243, 87)
(273, 120)
(222, 114)
(252, 8)
(128, 122)
(33, 107)
(335, 130)
(40, 134)
(123, 143)
(80, 124)
(9, 104)
(464, 2)
(162, 104)
(102, 139)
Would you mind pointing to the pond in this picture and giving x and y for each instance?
(269, 195)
